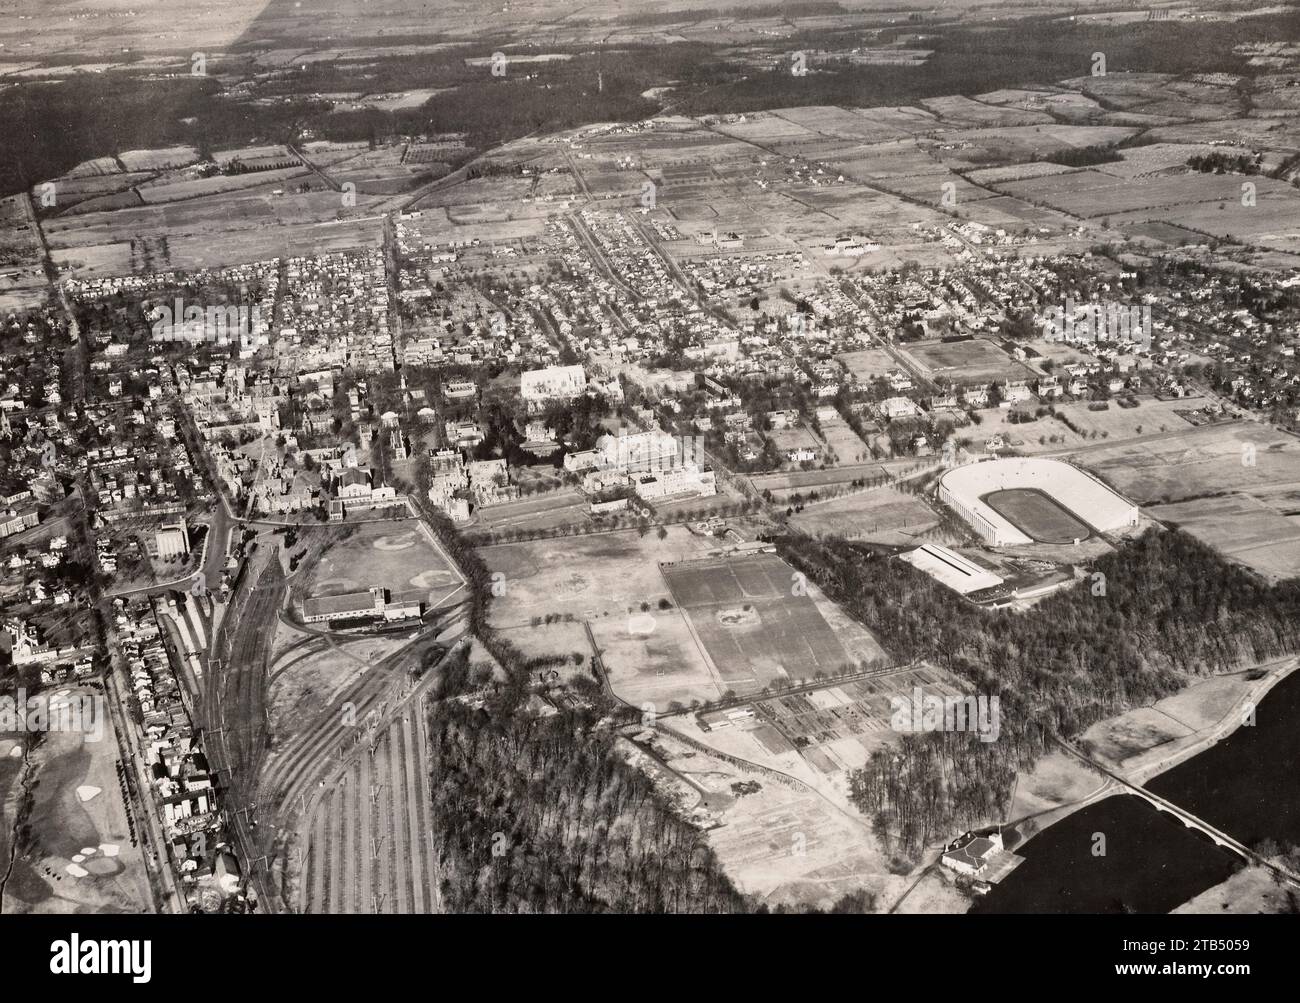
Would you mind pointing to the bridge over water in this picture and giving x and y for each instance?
(1188, 819)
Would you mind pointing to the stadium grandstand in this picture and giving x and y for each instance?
(967, 490)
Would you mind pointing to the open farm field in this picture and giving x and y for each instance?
(1258, 132)
(766, 129)
(1242, 528)
(883, 513)
(1062, 104)
(206, 232)
(1018, 172)
(966, 111)
(176, 191)
(888, 218)
(1016, 215)
(1092, 193)
(1151, 415)
(1156, 158)
(1273, 222)
(989, 147)
(252, 153)
(1232, 456)
(69, 190)
(98, 167)
(933, 189)
(849, 123)
(900, 158)
(157, 160)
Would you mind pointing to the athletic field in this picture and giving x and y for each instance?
(755, 627)
(1037, 515)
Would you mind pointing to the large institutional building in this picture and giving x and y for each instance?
(537, 386)
(373, 604)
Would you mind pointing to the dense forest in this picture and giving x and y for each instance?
(979, 58)
(541, 814)
(1165, 607)
(54, 126)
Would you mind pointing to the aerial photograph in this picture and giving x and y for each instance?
(815, 458)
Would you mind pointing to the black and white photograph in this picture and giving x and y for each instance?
(718, 480)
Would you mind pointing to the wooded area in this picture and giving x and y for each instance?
(1169, 609)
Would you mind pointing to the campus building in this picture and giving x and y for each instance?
(173, 538)
(374, 604)
(537, 386)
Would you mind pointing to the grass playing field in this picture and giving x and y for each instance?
(397, 555)
(755, 629)
(1037, 515)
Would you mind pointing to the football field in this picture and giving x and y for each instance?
(1037, 515)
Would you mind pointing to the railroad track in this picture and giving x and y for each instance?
(233, 710)
(370, 849)
(310, 754)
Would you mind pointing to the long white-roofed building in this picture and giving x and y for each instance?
(537, 386)
(950, 568)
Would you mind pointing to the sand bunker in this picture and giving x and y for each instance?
(76, 870)
(88, 792)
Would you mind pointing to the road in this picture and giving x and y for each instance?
(329, 182)
(133, 759)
